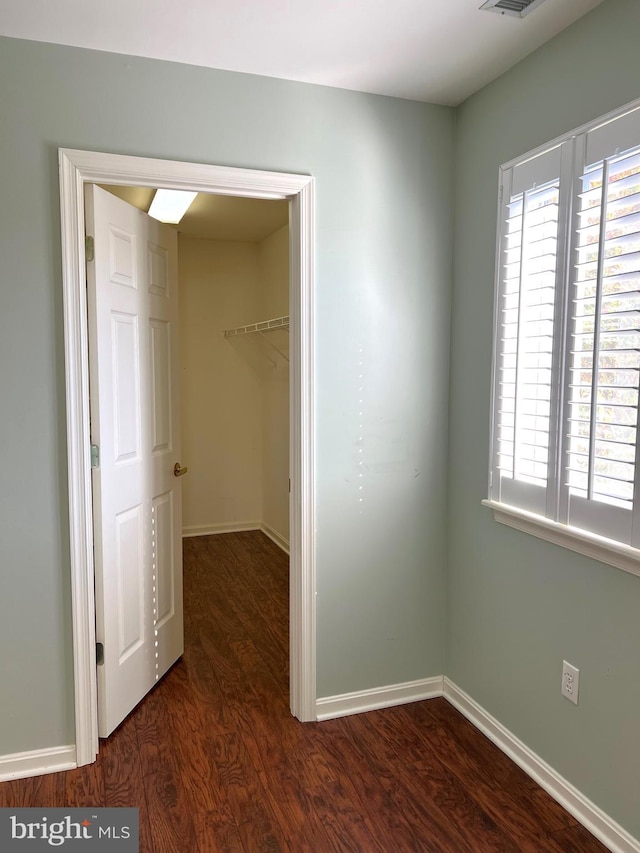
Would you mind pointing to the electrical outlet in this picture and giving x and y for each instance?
(570, 682)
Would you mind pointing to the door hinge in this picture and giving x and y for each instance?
(99, 653)
(89, 252)
(289, 485)
(95, 456)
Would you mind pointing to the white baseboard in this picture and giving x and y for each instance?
(330, 707)
(224, 527)
(36, 762)
(236, 527)
(279, 540)
(610, 833)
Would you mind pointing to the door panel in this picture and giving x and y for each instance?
(158, 266)
(130, 581)
(163, 506)
(126, 386)
(133, 315)
(122, 257)
(160, 386)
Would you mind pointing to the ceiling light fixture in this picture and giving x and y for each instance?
(518, 8)
(171, 205)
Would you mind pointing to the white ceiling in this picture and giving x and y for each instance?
(440, 51)
(218, 217)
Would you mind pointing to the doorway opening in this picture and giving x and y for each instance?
(76, 169)
(173, 379)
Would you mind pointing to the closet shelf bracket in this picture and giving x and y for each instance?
(262, 328)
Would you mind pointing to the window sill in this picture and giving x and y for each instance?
(591, 545)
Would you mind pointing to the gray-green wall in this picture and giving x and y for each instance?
(383, 170)
(518, 606)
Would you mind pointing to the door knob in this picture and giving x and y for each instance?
(178, 470)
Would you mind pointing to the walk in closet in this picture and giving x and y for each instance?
(234, 359)
(233, 283)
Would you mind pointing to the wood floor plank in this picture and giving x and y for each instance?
(153, 733)
(205, 687)
(48, 791)
(168, 799)
(577, 839)
(171, 822)
(216, 832)
(430, 794)
(379, 788)
(215, 762)
(231, 685)
(84, 787)
(526, 811)
(193, 740)
(347, 826)
(13, 794)
(248, 801)
(124, 784)
(302, 828)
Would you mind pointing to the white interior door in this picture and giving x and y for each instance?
(134, 405)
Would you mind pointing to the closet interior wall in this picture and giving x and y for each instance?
(234, 391)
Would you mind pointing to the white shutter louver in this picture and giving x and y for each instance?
(528, 295)
(605, 345)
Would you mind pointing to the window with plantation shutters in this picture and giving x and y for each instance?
(566, 371)
(527, 314)
(604, 361)
(526, 322)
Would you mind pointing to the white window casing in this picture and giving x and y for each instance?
(566, 367)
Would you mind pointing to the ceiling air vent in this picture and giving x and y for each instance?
(519, 8)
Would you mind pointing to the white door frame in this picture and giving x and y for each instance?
(76, 169)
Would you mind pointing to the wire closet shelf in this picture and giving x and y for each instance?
(261, 329)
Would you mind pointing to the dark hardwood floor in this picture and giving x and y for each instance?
(215, 762)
